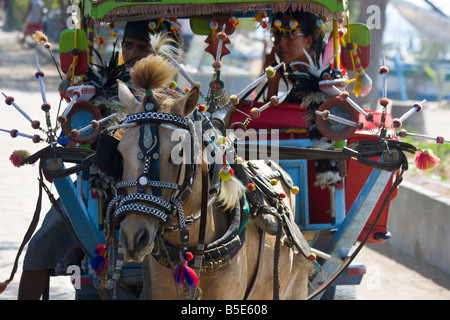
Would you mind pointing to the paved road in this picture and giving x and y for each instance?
(390, 274)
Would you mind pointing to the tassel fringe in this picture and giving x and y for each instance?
(426, 160)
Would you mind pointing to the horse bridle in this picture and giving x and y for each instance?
(142, 202)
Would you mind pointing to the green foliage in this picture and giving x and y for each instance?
(438, 77)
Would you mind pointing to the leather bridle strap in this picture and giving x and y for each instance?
(203, 215)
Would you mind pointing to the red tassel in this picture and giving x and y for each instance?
(18, 156)
(426, 160)
(99, 261)
(186, 274)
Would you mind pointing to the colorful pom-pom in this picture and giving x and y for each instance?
(219, 84)
(426, 160)
(214, 25)
(18, 156)
(222, 140)
(277, 24)
(174, 27)
(251, 186)
(222, 36)
(62, 119)
(273, 182)
(36, 138)
(397, 123)
(344, 95)
(226, 173)
(254, 113)
(383, 70)
(282, 195)
(293, 24)
(369, 116)
(270, 71)
(45, 107)
(275, 100)
(312, 257)
(325, 114)
(384, 102)
(172, 85)
(9, 100)
(260, 16)
(95, 124)
(239, 160)
(185, 274)
(234, 21)
(295, 190)
(234, 99)
(152, 25)
(202, 108)
(14, 133)
(217, 64)
(98, 262)
(35, 124)
(74, 134)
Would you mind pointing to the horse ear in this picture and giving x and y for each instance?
(131, 104)
(190, 101)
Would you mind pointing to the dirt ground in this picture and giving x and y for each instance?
(391, 275)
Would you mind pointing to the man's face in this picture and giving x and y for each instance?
(134, 50)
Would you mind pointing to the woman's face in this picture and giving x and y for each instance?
(289, 45)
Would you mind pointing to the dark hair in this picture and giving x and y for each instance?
(308, 24)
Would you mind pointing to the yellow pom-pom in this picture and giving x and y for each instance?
(273, 182)
(226, 173)
(221, 140)
(172, 85)
(270, 71)
(295, 190)
(312, 256)
(234, 99)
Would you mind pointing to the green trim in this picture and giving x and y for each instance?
(99, 9)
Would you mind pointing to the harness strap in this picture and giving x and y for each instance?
(204, 212)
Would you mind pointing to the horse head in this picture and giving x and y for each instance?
(151, 180)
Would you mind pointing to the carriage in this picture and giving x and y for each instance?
(329, 224)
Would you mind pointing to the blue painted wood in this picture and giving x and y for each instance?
(83, 223)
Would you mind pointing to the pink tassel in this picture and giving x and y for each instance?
(18, 156)
(186, 274)
(426, 160)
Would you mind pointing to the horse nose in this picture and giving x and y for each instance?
(142, 239)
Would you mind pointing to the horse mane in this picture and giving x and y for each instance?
(230, 193)
(165, 45)
(152, 72)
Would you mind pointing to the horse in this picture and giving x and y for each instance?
(236, 256)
